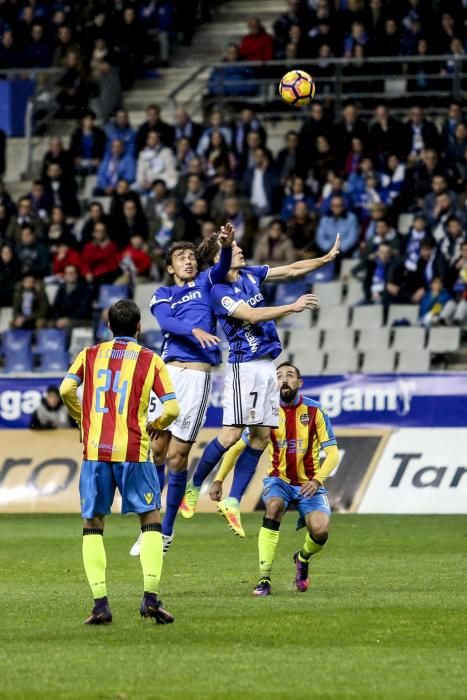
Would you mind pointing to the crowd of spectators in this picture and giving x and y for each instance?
(338, 173)
(100, 45)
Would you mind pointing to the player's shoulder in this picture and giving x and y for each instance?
(255, 273)
(307, 401)
(161, 294)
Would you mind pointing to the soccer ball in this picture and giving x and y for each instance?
(297, 88)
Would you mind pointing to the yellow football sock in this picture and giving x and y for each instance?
(268, 539)
(151, 557)
(95, 561)
(309, 548)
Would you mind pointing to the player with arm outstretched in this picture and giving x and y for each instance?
(251, 395)
(117, 378)
(190, 350)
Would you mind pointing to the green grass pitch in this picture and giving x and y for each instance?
(385, 617)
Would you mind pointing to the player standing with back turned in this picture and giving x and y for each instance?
(118, 377)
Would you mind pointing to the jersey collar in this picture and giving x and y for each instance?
(298, 400)
(125, 338)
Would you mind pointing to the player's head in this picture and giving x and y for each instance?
(209, 251)
(125, 319)
(289, 380)
(181, 262)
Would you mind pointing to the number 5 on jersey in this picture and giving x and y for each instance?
(121, 390)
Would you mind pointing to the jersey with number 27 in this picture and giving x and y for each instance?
(247, 341)
(118, 377)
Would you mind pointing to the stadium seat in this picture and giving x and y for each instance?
(143, 294)
(51, 289)
(81, 337)
(328, 293)
(368, 316)
(354, 292)
(444, 340)
(153, 339)
(374, 339)
(338, 338)
(410, 338)
(6, 317)
(322, 274)
(50, 340)
(333, 317)
(16, 349)
(105, 202)
(404, 222)
(21, 361)
(148, 321)
(413, 361)
(341, 361)
(283, 333)
(288, 293)
(403, 312)
(347, 265)
(307, 360)
(375, 361)
(111, 293)
(309, 339)
(57, 361)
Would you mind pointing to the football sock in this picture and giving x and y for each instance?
(95, 561)
(244, 471)
(310, 547)
(268, 539)
(160, 469)
(175, 491)
(151, 556)
(210, 457)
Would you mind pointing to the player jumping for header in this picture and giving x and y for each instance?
(190, 349)
(295, 476)
(251, 395)
(118, 377)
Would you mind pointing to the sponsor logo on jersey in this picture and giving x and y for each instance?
(191, 296)
(256, 299)
(228, 303)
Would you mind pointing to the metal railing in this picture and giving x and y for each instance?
(428, 80)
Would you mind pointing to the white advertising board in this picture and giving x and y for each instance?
(421, 470)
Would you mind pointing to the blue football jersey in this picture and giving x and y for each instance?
(247, 341)
(178, 310)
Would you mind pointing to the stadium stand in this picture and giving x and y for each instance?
(387, 171)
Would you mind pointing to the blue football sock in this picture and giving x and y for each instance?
(210, 457)
(244, 471)
(160, 469)
(175, 489)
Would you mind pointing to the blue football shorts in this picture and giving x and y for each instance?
(137, 483)
(274, 487)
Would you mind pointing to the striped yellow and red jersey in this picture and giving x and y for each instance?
(117, 378)
(304, 427)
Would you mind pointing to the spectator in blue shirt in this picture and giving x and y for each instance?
(116, 165)
(120, 128)
(339, 221)
(297, 194)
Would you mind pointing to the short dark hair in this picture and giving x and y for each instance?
(124, 317)
(428, 242)
(179, 245)
(289, 364)
(208, 249)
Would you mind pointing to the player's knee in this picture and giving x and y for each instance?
(274, 509)
(319, 532)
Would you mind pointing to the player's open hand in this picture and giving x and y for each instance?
(226, 235)
(215, 492)
(335, 250)
(306, 301)
(152, 431)
(310, 488)
(205, 339)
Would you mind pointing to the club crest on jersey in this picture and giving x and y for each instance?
(304, 419)
(227, 303)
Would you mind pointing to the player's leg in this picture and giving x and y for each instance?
(140, 492)
(177, 460)
(244, 471)
(211, 456)
(97, 489)
(317, 514)
(276, 500)
(159, 447)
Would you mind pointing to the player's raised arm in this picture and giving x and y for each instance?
(164, 390)
(301, 268)
(69, 387)
(244, 312)
(220, 268)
